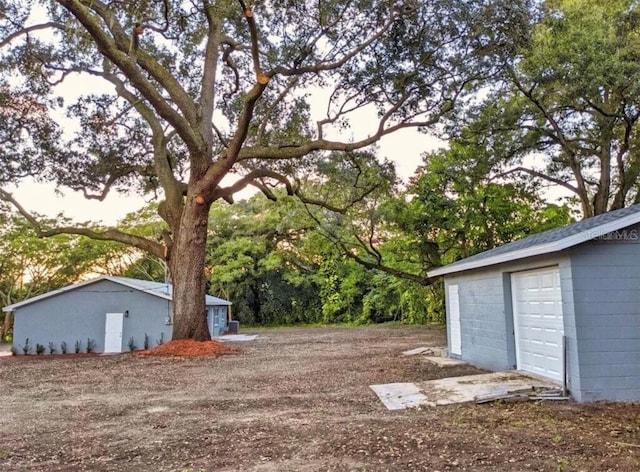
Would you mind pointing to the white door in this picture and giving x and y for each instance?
(113, 332)
(454, 321)
(537, 312)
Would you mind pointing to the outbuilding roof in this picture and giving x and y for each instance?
(158, 289)
(551, 241)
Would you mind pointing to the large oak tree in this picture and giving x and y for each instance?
(568, 111)
(188, 93)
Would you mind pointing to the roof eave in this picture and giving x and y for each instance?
(499, 259)
(52, 293)
(540, 249)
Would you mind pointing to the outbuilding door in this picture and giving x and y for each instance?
(537, 311)
(455, 332)
(113, 332)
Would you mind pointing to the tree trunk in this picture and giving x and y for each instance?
(187, 271)
(256, 304)
(8, 321)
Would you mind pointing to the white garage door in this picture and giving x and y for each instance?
(537, 312)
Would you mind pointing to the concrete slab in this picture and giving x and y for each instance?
(416, 351)
(429, 351)
(236, 337)
(455, 389)
(437, 352)
(443, 361)
(399, 396)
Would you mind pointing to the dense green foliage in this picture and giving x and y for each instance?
(278, 267)
(567, 111)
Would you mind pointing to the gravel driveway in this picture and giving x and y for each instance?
(293, 400)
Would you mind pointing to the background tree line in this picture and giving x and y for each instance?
(284, 263)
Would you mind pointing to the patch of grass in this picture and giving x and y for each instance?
(563, 464)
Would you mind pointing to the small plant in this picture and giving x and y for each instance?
(39, 348)
(146, 341)
(27, 347)
(63, 347)
(160, 341)
(14, 351)
(562, 464)
(52, 348)
(132, 344)
(91, 345)
(78, 346)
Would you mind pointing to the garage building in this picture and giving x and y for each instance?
(563, 304)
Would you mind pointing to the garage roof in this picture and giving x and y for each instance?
(158, 289)
(547, 242)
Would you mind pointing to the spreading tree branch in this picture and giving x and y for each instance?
(378, 265)
(541, 175)
(28, 30)
(103, 235)
(116, 51)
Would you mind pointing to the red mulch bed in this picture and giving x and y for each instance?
(189, 348)
(178, 348)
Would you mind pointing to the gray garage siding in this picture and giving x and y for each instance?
(482, 320)
(80, 314)
(486, 313)
(607, 292)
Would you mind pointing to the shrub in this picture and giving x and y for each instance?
(160, 341)
(63, 347)
(39, 348)
(52, 348)
(78, 346)
(146, 341)
(27, 347)
(14, 351)
(91, 345)
(132, 344)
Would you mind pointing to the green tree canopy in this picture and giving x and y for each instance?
(567, 112)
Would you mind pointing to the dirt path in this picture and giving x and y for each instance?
(294, 400)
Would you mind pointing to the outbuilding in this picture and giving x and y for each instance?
(563, 304)
(112, 313)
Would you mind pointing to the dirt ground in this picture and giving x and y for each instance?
(293, 400)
